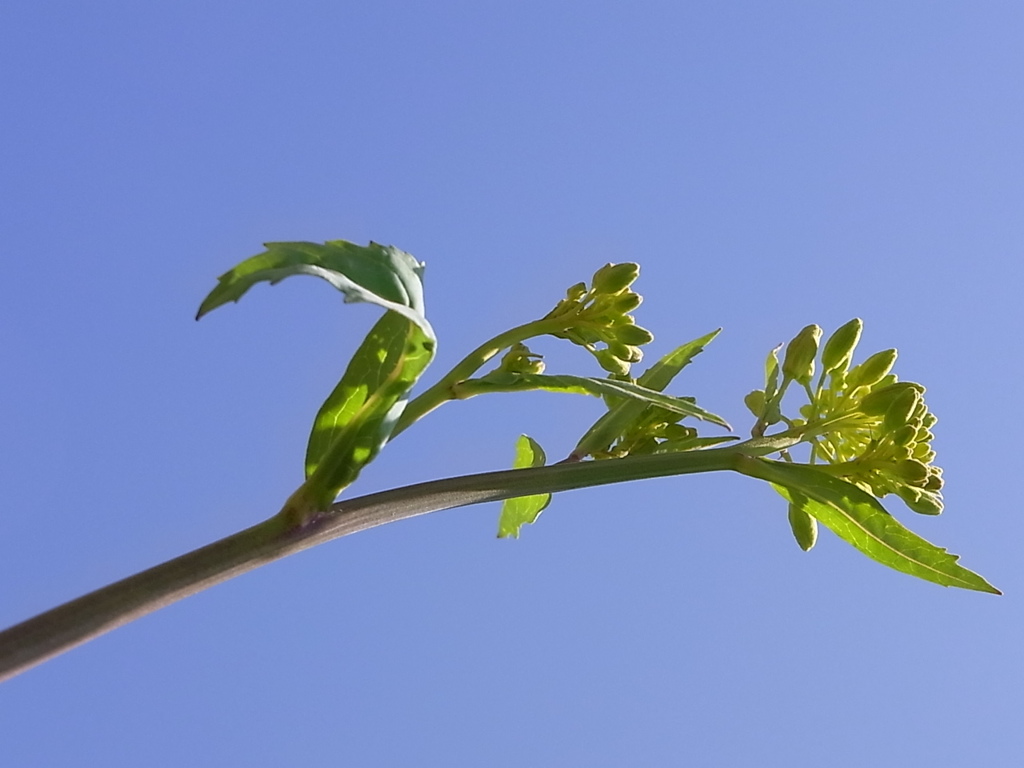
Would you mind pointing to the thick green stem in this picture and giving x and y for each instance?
(48, 634)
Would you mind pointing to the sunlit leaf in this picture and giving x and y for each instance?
(378, 274)
(507, 381)
(612, 425)
(358, 417)
(859, 519)
(523, 510)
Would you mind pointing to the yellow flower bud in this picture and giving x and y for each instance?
(840, 345)
(901, 409)
(877, 402)
(872, 370)
(798, 364)
(611, 363)
(633, 335)
(614, 278)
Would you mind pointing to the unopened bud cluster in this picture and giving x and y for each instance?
(600, 315)
(658, 430)
(519, 359)
(874, 430)
(884, 441)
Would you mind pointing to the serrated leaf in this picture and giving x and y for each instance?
(378, 274)
(523, 510)
(358, 417)
(612, 425)
(859, 519)
(508, 381)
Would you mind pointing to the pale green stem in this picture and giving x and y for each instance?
(60, 629)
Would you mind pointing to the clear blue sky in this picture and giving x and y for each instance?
(769, 164)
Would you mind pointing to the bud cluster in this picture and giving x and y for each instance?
(600, 315)
(871, 428)
(519, 359)
(883, 442)
(657, 430)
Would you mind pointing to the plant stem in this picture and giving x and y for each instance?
(60, 629)
(442, 391)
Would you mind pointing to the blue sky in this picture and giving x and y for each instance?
(768, 165)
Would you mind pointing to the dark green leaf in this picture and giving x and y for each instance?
(523, 510)
(859, 519)
(507, 381)
(357, 418)
(378, 274)
(614, 424)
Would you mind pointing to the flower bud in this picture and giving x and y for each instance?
(625, 303)
(840, 345)
(625, 352)
(519, 359)
(913, 472)
(877, 402)
(924, 453)
(613, 278)
(873, 369)
(905, 435)
(798, 364)
(679, 432)
(633, 335)
(901, 452)
(922, 502)
(611, 363)
(901, 409)
(576, 292)
(805, 527)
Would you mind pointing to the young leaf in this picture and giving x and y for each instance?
(507, 381)
(859, 519)
(607, 429)
(523, 510)
(378, 274)
(358, 417)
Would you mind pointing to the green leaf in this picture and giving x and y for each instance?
(508, 381)
(693, 443)
(358, 417)
(523, 510)
(612, 425)
(859, 519)
(378, 274)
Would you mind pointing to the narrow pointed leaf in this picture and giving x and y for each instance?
(358, 417)
(859, 519)
(507, 381)
(612, 425)
(693, 443)
(378, 274)
(523, 510)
